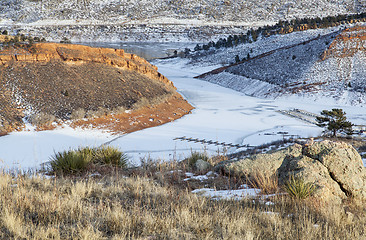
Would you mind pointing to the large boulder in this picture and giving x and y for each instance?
(311, 171)
(268, 162)
(335, 168)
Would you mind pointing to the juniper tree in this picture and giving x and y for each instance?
(197, 47)
(237, 59)
(335, 121)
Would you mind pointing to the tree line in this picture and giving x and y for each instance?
(19, 39)
(282, 27)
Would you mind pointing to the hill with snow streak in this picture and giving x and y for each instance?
(331, 65)
(156, 20)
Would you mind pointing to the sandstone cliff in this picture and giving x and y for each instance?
(71, 53)
(49, 82)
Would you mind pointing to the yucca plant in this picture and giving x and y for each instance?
(70, 161)
(78, 160)
(298, 188)
(110, 155)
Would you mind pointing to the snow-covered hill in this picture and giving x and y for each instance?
(330, 65)
(156, 20)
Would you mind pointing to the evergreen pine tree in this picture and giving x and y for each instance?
(335, 121)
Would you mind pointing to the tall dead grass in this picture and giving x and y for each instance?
(32, 207)
(266, 181)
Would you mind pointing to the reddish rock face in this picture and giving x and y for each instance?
(347, 44)
(71, 53)
(55, 80)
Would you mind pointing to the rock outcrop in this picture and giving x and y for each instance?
(48, 81)
(335, 168)
(267, 162)
(347, 43)
(72, 53)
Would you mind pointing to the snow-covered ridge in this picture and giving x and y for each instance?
(234, 10)
(155, 20)
(313, 69)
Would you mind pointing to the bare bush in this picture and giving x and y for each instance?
(41, 119)
(78, 114)
(142, 102)
(119, 110)
(100, 112)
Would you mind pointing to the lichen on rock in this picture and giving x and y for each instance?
(335, 168)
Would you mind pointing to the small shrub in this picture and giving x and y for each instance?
(78, 114)
(110, 155)
(119, 110)
(297, 188)
(100, 112)
(142, 102)
(41, 119)
(195, 156)
(71, 161)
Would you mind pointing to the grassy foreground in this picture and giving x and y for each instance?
(140, 205)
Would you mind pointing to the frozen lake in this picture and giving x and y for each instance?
(220, 114)
(147, 50)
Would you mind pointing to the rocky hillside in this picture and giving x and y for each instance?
(46, 82)
(82, 20)
(330, 65)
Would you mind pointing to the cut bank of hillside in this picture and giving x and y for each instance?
(49, 82)
(330, 65)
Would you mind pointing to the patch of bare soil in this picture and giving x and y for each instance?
(148, 116)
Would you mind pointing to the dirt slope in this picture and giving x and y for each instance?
(50, 82)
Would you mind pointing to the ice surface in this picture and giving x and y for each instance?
(220, 114)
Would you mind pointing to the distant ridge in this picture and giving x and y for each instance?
(332, 65)
(221, 69)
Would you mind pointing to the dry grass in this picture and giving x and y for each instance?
(117, 207)
(119, 120)
(144, 102)
(155, 202)
(267, 182)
